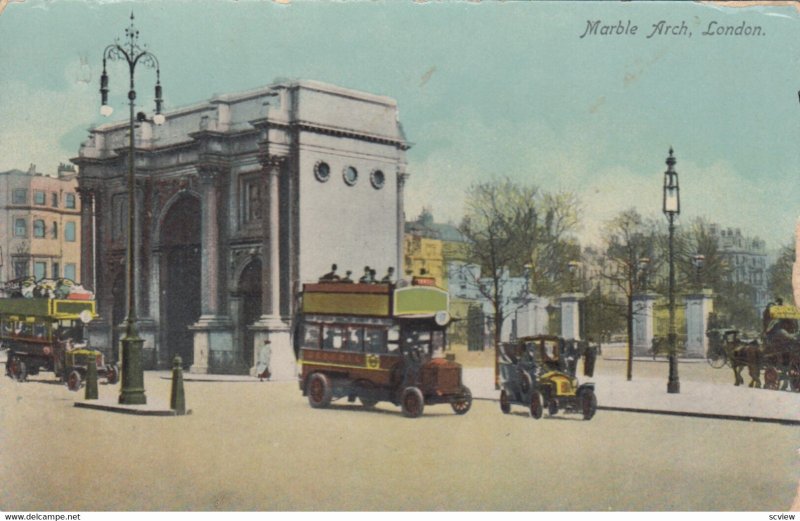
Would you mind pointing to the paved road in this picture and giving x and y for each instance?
(259, 446)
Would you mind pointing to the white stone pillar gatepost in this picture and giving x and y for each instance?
(698, 307)
(570, 316)
(643, 305)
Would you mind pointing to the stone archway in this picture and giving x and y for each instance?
(249, 291)
(180, 277)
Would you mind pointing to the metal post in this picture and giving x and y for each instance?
(673, 382)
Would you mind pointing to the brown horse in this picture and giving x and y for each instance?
(749, 356)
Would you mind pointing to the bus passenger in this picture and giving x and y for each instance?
(347, 278)
(330, 276)
(389, 277)
(366, 278)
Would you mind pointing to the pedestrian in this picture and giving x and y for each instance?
(262, 364)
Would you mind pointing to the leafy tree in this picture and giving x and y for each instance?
(779, 275)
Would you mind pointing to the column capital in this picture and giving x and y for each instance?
(86, 195)
(209, 173)
(272, 162)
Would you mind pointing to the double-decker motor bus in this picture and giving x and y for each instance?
(378, 342)
(44, 333)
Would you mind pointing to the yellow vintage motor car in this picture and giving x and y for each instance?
(535, 373)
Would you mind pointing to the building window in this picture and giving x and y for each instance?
(378, 179)
(38, 229)
(56, 270)
(20, 268)
(350, 175)
(20, 228)
(251, 203)
(55, 230)
(322, 171)
(69, 271)
(39, 270)
(54, 200)
(20, 196)
(70, 201)
(39, 197)
(69, 232)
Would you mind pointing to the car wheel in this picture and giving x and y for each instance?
(412, 403)
(505, 403)
(525, 382)
(552, 407)
(588, 404)
(319, 391)
(74, 380)
(536, 405)
(463, 404)
(112, 374)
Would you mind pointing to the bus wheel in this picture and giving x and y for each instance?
(112, 374)
(462, 404)
(74, 380)
(412, 402)
(18, 369)
(319, 391)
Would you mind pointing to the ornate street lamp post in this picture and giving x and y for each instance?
(672, 208)
(132, 391)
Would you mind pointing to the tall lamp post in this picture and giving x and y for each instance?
(132, 391)
(672, 208)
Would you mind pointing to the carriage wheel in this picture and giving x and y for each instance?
(463, 404)
(74, 380)
(319, 391)
(717, 359)
(536, 405)
(505, 403)
(412, 402)
(794, 375)
(771, 378)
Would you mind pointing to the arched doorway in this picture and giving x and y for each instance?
(249, 290)
(180, 277)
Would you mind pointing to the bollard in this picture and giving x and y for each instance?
(91, 380)
(177, 400)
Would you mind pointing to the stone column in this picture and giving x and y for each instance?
(271, 333)
(570, 316)
(643, 305)
(401, 219)
(87, 238)
(698, 306)
(212, 333)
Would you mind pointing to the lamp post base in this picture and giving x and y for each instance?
(673, 383)
(132, 392)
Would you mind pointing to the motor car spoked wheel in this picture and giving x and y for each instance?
(505, 403)
(552, 406)
(412, 402)
(74, 380)
(319, 391)
(794, 375)
(463, 404)
(536, 405)
(588, 404)
(771, 378)
(112, 374)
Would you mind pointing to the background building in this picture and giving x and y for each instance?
(747, 261)
(243, 198)
(40, 230)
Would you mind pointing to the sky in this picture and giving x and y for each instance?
(484, 89)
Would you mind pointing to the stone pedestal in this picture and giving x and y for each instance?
(278, 355)
(532, 318)
(643, 323)
(698, 306)
(213, 345)
(570, 316)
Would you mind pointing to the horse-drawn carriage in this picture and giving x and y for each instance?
(776, 352)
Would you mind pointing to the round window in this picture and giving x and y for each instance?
(378, 179)
(322, 171)
(350, 175)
